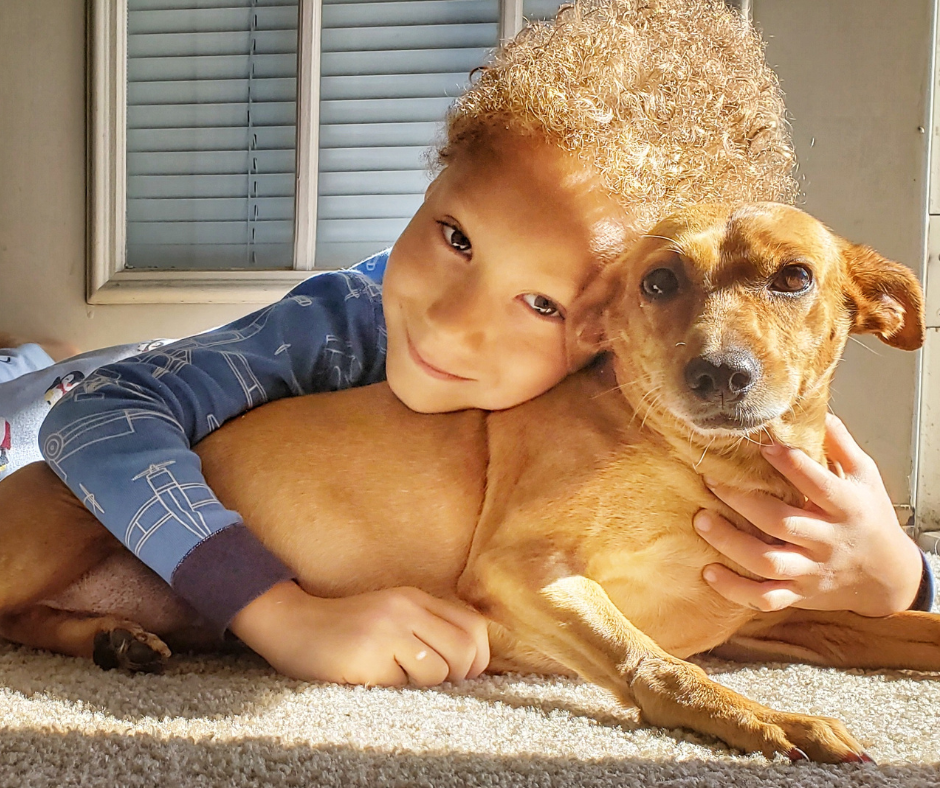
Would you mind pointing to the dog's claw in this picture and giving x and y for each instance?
(796, 754)
(858, 757)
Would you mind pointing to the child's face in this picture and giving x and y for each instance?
(479, 283)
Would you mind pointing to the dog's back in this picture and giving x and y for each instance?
(353, 490)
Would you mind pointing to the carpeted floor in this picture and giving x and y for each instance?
(230, 721)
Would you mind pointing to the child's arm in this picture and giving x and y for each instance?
(121, 441)
(843, 551)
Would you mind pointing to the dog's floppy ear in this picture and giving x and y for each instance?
(586, 321)
(887, 297)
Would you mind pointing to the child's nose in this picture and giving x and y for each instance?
(463, 313)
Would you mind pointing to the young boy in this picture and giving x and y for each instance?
(578, 135)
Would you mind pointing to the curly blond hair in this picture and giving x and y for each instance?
(670, 100)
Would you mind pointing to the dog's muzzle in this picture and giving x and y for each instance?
(721, 382)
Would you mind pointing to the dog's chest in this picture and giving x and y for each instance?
(642, 549)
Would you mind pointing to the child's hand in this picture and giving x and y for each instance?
(385, 638)
(843, 551)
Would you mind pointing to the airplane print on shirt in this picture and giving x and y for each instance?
(342, 364)
(123, 437)
(172, 358)
(173, 502)
(96, 428)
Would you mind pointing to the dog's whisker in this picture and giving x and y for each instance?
(862, 344)
(704, 452)
(673, 243)
(653, 407)
(605, 392)
(648, 409)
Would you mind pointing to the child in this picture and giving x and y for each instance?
(581, 132)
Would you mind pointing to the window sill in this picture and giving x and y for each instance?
(195, 287)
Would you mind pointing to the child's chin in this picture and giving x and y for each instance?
(420, 401)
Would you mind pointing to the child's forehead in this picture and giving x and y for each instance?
(534, 177)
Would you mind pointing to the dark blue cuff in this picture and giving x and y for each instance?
(925, 594)
(225, 572)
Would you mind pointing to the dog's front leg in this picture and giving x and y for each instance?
(572, 620)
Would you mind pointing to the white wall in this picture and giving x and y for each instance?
(856, 74)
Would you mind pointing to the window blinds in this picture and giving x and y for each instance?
(389, 71)
(539, 9)
(211, 108)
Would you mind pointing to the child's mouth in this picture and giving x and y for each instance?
(428, 368)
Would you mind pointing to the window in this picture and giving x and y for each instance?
(210, 134)
(238, 145)
(389, 70)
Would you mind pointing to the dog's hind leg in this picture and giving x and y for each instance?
(839, 639)
(112, 642)
(47, 538)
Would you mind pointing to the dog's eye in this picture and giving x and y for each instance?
(660, 283)
(792, 279)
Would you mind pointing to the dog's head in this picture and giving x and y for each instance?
(727, 319)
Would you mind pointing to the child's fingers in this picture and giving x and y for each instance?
(392, 675)
(772, 562)
(772, 516)
(818, 484)
(842, 449)
(763, 595)
(459, 634)
(422, 663)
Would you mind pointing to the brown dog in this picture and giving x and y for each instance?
(568, 520)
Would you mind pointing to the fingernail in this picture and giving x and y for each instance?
(702, 522)
(709, 481)
(710, 575)
(773, 449)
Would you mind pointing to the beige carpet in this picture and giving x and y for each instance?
(231, 722)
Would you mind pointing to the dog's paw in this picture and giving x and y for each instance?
(821, 739)
(131, 649)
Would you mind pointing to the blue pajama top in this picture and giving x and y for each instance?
(122, 438)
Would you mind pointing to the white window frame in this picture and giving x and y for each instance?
(108, 280)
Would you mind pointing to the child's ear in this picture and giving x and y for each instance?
(887, 297)
(585, 322)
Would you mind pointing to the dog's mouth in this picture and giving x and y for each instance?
(739, 420)
(748, 415)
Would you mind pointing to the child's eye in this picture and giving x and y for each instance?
(456, 238)
(542, 305)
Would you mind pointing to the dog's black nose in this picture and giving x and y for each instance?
(722, 376)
